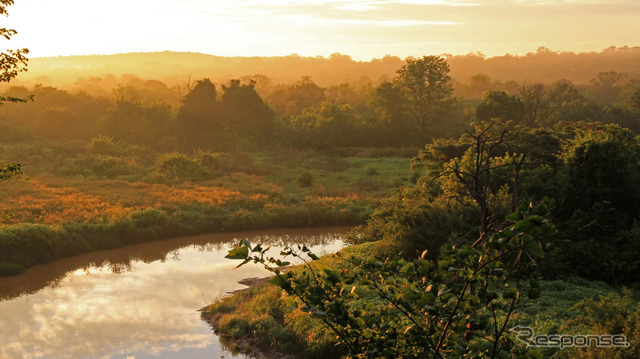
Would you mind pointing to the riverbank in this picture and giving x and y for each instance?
(27, 244)
(261, 319)
(137, 301)
(92, 200)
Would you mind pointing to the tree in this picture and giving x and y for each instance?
(328, 125)
(532, 96)
(427, 88)
(497, 104)
(242, 110)
(605, 86)
(564, 103)
(598, 196)
(136, 123)
(293, 99)
(198, 114)
(12, 62)
(634, 101)
(423, 308)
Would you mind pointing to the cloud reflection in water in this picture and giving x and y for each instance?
(137, 310)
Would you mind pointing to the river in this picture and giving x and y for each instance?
(135, 302)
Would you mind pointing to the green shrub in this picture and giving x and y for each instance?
(29, 244)
(209, 160)
(178, 166)
(105, 145)
(612, 314)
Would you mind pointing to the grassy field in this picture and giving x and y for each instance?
(82, 196)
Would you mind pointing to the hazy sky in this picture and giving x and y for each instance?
(360, 28)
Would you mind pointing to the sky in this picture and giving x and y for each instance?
(363, 29)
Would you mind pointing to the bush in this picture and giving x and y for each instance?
(29, 244)
(613, 314)
(177, 166)
(412, 222)
(105, 145)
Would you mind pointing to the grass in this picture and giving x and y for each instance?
(82, 196)
(240, 319)
(559, 310)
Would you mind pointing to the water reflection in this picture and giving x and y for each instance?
(135, 302)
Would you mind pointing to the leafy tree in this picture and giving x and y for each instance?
(532, 96)
(456, 306)
(136, 123)
(294, 99)
(634, 101)
(478, 85)
(563, 103)
(242, 110)
(605, 87)
(427, 88)
(328, 125)
(497, 104)
(198, 115)
(12, 62)
(598, 196)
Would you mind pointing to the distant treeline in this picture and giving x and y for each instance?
(542, 65)
(419, 103)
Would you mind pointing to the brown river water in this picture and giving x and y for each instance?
(136, 302)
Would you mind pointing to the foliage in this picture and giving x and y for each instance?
(198, 114)
(421, 93)
(9, 171)
(327, 126)
(293, 99)
(10, 269)
(136, 123)
(459, 304)
(244, 111)
(305, 179)
(498, 104)
(613, 314)
(12, 62)
(177, 166)
(598, 196)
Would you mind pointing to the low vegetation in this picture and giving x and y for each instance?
(106, 194)
(484, 235)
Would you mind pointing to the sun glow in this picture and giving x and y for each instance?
(363, 28)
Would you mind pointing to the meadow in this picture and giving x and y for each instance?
(101, 194)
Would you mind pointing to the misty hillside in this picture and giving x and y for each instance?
(543, 65)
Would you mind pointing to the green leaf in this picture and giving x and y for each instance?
(407, 267)
(238, 253)
(291, 302)
(277, 281)
(535, 249)
(514, 217)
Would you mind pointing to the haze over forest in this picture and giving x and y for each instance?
(542, 65)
